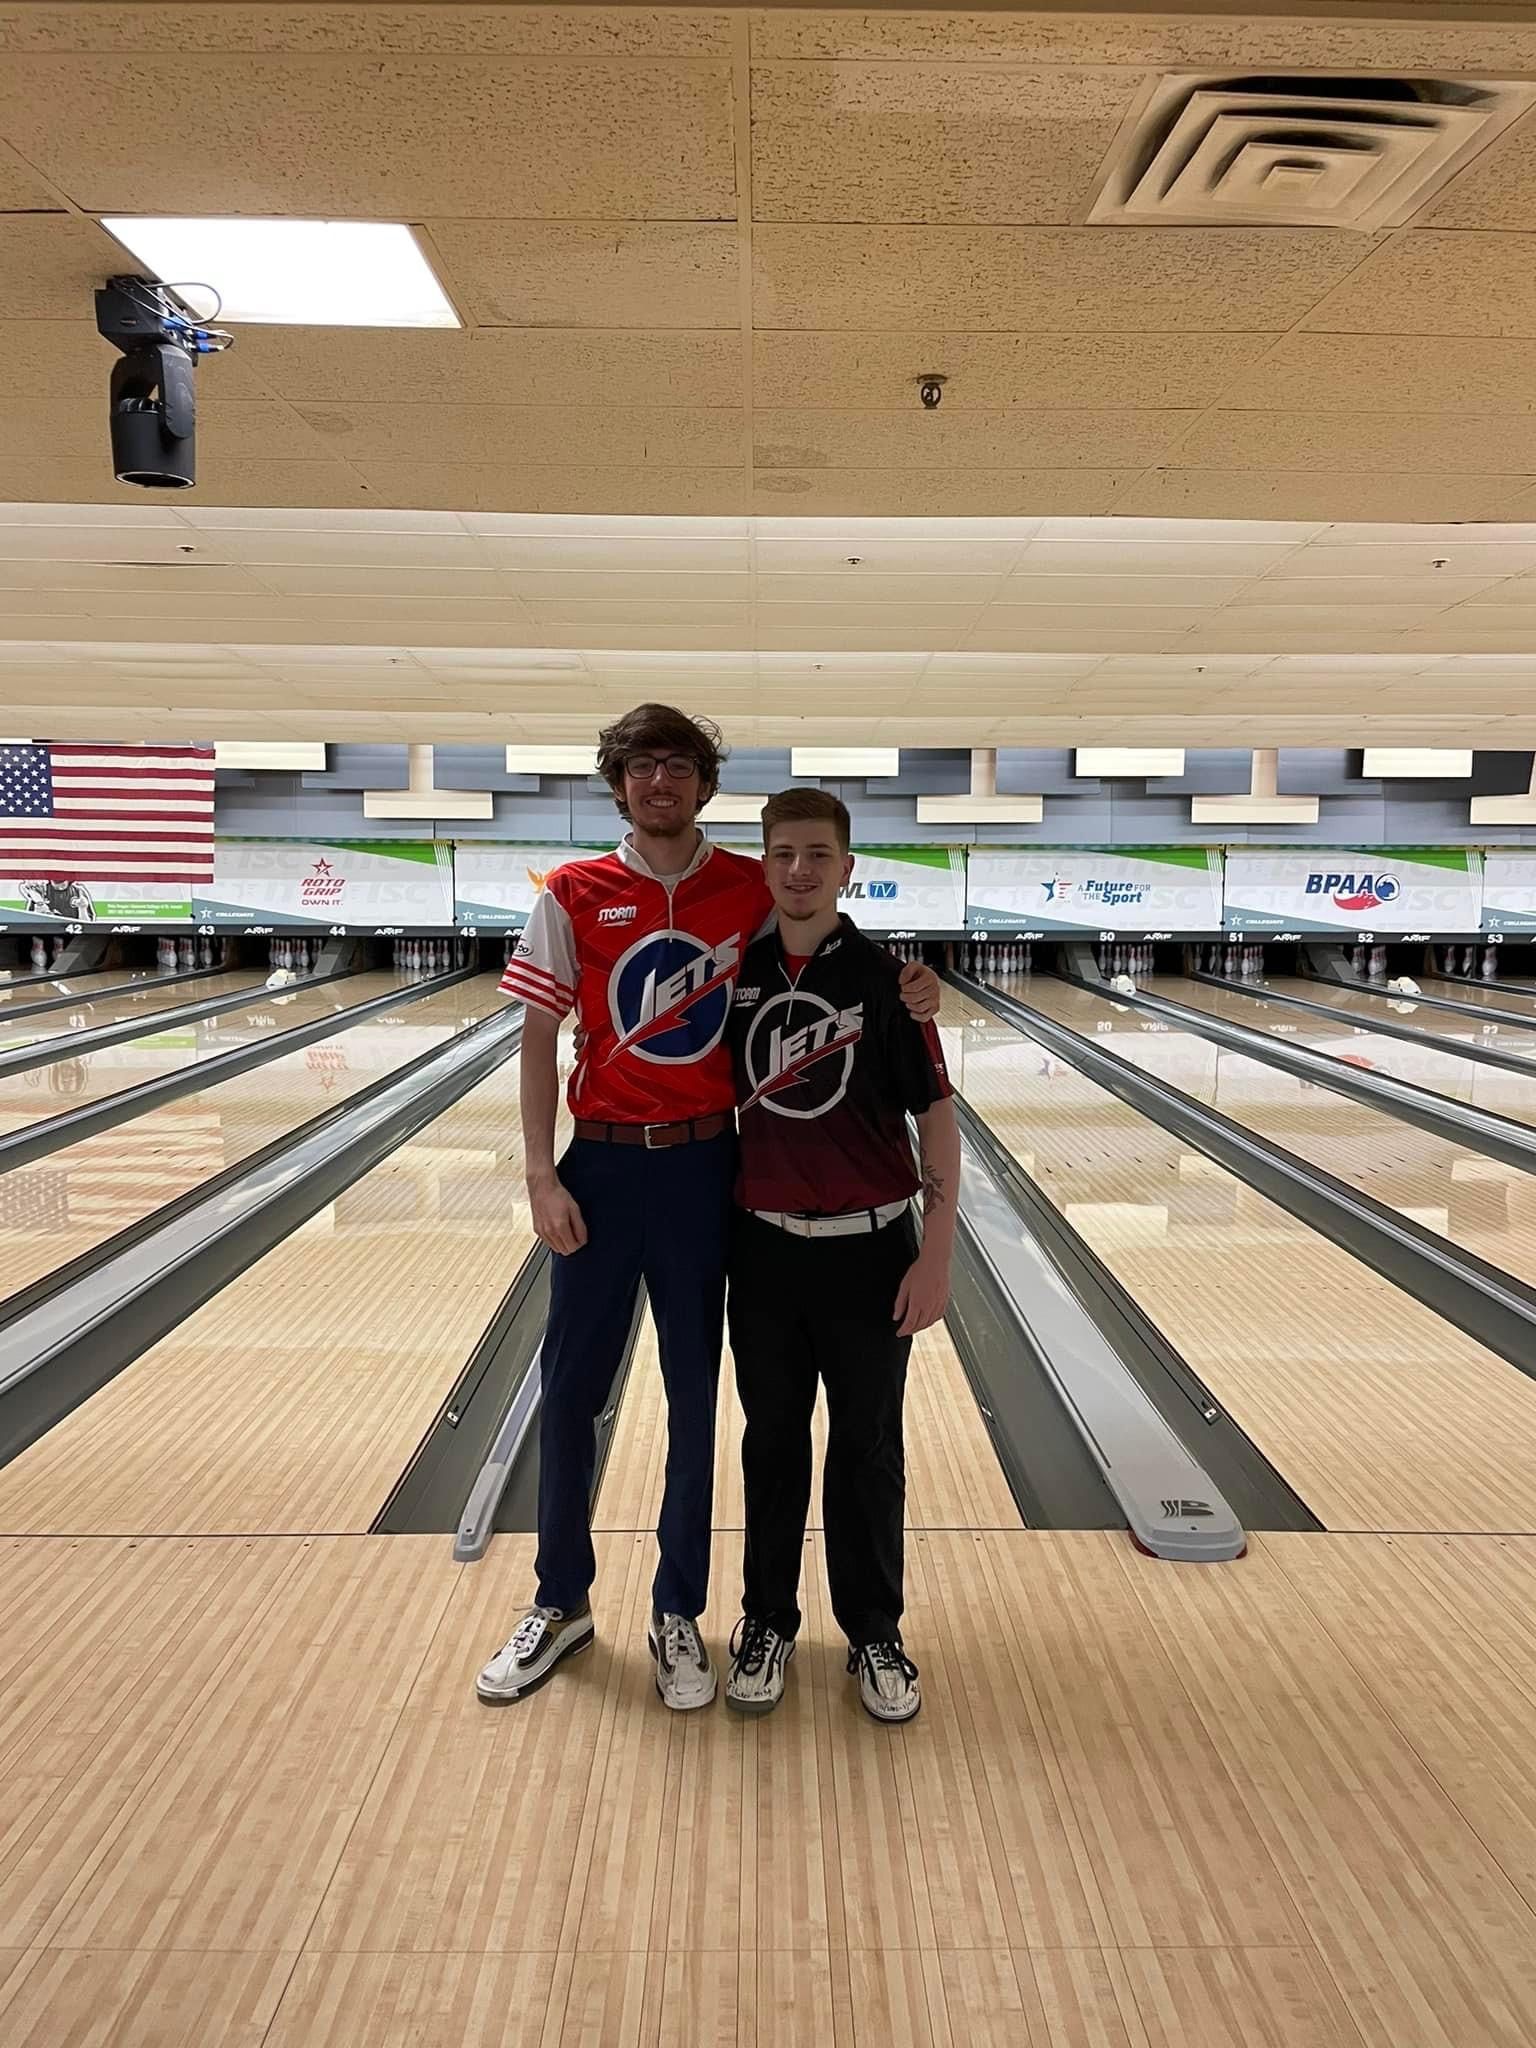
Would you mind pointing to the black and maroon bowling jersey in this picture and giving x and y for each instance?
(829, 1063)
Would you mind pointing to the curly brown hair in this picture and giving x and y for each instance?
(661, 729)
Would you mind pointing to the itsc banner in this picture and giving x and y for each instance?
(1509, 892)
(497, 882)
(1149, 889)
(360, 884)
(1354, 889)
(906, 889)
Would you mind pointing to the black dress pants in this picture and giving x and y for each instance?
(802, 1310)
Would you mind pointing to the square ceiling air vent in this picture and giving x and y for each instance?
(1240, 151)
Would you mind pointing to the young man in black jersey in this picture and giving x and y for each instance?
(826, 1278)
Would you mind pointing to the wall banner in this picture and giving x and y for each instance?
(1354, 889)
(355, 885)
(1094, 889)
(896, 890)
(498, 881)
(108, 906)
(1509, 891)
(893, 888)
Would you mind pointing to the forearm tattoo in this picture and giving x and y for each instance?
(934, 1196)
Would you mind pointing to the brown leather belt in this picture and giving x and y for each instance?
(655, 1137)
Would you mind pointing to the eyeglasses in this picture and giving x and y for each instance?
(676, 767)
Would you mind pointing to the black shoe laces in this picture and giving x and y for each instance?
(882, 1657)
(751, 1641)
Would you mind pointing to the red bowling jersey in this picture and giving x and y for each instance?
(648, 962)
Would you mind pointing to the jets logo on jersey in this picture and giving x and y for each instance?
(669, 996)
(800, 1054)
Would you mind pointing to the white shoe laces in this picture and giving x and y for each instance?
(680, 1636)
(526, 1635)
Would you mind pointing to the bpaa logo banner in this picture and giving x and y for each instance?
(1353, 889)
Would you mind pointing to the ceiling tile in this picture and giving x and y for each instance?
(1016, 278)
(1126, 558)
(931, 142)
(1032, 588)
(517, 273)
(1038, 37)
(672, 437)
(918, 440)
(1426, 591)
(865, 585)
(1001, 622)
(378, 138)
(1364, 442)
(930, 493)
(52, 267)
(1497, 189)
(21, 190)
(221, 480)
(555, 588)
(884, 554)
(483, 366)
(491, 487)
(1433, 283)
(548, 554)
(985, 372)
(1392, 373)
(1468, 561)
(413, 26)
(1292, 494)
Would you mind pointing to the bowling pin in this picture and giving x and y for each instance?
(1490, 962)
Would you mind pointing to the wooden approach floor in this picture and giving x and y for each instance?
(247, 1800)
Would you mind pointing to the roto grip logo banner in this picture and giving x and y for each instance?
(358, 884)
(1354, 889)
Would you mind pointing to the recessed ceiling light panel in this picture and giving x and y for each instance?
(294, 273)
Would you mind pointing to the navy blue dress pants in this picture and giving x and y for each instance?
(660, 1217)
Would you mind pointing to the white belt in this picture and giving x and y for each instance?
(853, 1223)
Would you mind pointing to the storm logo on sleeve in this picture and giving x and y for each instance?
(669, 996)
(800, 1054)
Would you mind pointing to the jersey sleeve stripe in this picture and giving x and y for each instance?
(536, 992)
(536, 973)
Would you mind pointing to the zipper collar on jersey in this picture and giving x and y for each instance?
(637, 861)
(844, 929)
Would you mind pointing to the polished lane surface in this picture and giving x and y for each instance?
(1499, 1002)
(1511, 1029)
(1436, 1065)
(292, 1401)
(74, 1079)
(1479, 1204)
(60, 1206)
(15, 993)
(1381, 1414)
(156, 997)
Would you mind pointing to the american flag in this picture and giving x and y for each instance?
(106, 813)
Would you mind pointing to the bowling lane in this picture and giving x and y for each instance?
(52, 1211)
(1340, 1378)
(1510, 1031)
(1497, 1002)
(155, 997)
(14, 993)
(1437, 1066)
(1478, 1204)
(293, 1399)
(69, 1081)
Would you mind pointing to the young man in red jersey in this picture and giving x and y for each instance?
(643, 944)
(827, 1281)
